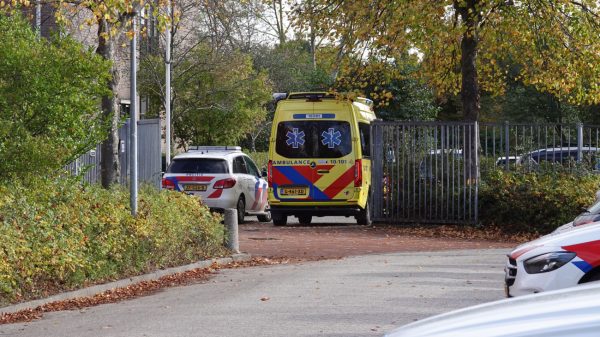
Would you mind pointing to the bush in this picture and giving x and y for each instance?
(260, 158)
(58, 235)
(50, 93)
(534, 201)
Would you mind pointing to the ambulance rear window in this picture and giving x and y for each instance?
(313, 139)
(198, 165)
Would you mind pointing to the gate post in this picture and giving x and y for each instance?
(579, 142)
(377, 168)
(506, 145)
(477, 166)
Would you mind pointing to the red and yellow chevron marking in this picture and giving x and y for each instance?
(334, 184)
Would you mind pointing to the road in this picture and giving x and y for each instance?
(331, 237)
(356, 296)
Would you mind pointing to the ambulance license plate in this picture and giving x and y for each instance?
(293, 191)
(195, 187)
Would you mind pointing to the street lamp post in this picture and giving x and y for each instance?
(168, 85)
(133, 184)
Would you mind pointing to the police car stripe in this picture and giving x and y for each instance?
(583, 266)
(588, 252)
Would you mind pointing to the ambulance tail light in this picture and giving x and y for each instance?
(270, 173)
(224, 183)
(168, 184)
(358, 173)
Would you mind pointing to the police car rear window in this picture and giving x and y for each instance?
(198, 165)
(313, 139)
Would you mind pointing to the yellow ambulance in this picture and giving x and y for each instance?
(319, 158)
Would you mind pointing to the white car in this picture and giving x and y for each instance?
(512, 160)
(223, 177)
(564, 258)
(570, 312)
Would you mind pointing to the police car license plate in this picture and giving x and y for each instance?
(195, 187)
(293, 191)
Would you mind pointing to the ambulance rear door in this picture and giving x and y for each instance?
(318, 149)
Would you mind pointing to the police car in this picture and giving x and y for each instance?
(558, 260)
(570, 312)
(223, 177)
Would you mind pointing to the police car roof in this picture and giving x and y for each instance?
(209, 152)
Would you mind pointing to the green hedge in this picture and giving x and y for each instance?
(59, 235)
(536, 201)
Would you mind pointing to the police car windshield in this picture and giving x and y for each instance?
(198, 165)
(313, 139)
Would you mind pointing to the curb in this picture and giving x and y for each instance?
(97, 289)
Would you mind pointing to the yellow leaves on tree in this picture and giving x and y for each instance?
(554, 43)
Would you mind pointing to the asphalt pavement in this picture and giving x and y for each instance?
(357, 296)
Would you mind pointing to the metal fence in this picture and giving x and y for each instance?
(530, 146)
(430, 171)
(425, 172)
(149, 156)
(87, 165)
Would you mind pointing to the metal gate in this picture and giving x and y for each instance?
(426, 172)
(149, 155)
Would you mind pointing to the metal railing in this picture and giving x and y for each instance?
(425, 172)
(149, 156)
(429, 171)
(528, 146)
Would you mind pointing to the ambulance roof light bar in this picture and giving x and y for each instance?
(365, 101)
(311, 96)
(207, 149)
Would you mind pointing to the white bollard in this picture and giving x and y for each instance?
(231, 224)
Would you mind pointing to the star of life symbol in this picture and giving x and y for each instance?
(295, 138)
(331, 138)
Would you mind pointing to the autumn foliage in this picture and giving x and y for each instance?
(465, 46)
(59, 235)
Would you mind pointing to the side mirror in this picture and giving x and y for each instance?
(264, 173)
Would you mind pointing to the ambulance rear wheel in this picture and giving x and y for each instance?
(364, 217)
(305, 219)
(279, 219)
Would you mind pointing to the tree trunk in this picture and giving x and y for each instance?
(313, 36)
(470, 83)
(313, 47)
(282, 37)
(109, 165)
(253, 143)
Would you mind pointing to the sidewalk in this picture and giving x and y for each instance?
(98, 289)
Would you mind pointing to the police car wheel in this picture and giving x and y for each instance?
(265, 218)
(305, 219)
(241, 209)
